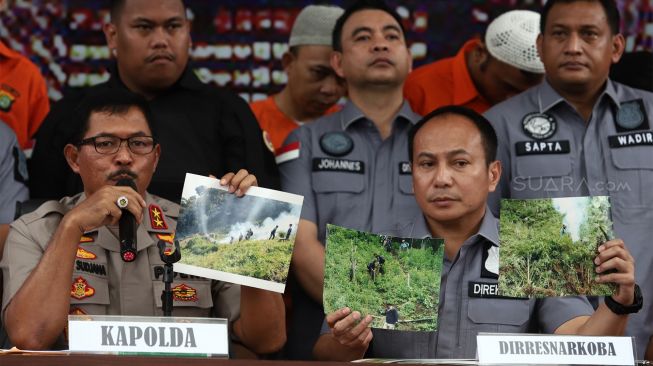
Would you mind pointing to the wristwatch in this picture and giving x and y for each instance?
(621, 309)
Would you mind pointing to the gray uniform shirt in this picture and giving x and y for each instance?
(13, 174)
(547, 150)
(468, 304)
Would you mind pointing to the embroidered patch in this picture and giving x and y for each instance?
(86, 239)
(336, 143)
(85, 254)
(81, 289)
(405, 168)
(539, 126)
(168, 238)
(156, 218)
(77, 311)
(6, 100)
(338, 165)
(185, 293)
(287, 153)
(631, 139)
(92, 268)
(631, 115)
(542, 147)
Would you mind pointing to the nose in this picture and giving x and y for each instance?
(442, 177)
(331, 86)
(124, 155)
(380, 43)
(159, 38)
(573, 45)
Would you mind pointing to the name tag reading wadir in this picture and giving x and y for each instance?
(148, 335)
(520, 349)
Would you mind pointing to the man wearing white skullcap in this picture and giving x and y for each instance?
(483, 73)
(313, 88)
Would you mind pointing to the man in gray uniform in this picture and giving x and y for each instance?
(581, 134)
(13, 178)
(453, 172)
(67, 254)
(352, 166)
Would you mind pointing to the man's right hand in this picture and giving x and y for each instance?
(350, 329)
(100, 208)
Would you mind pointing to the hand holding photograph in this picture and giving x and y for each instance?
(244, 240)
(396, 280)
(548, 246)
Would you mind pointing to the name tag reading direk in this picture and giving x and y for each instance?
(546, 349)
(148, 335)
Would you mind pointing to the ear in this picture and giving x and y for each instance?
(480, 54)
(538, 42)
(618, 46)
(494, 175)
(71, 153)
(286, 60)
(157, 155)
(336, 63)
(110, 35)
(410, 60)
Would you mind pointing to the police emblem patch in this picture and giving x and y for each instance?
(6, 101)
(336, 143)
(81, 289)
(539, 126)
(184, 292)
(631, 116)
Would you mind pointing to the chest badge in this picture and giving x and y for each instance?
(336, 143)
(81, 289)
(6, 100)
(85, 254)
(631, 116)
(539, 126)
(184, 293)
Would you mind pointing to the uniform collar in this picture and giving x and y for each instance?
(464, 90)
(107, 240)
(350, 114)
(489, 229)
(188, 79)
(549, 97)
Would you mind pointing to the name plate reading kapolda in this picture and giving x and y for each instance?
(157, 335)
(507, 349)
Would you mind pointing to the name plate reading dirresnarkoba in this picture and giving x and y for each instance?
(156, 335)
(510, 349)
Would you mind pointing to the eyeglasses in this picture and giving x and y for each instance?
(107, 145)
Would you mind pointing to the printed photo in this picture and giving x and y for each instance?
(245, 240)
(548, 246)
(396, 280)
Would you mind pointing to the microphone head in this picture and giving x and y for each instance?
(127, 182)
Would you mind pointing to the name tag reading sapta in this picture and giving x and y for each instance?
(510, 349)
(156, 335)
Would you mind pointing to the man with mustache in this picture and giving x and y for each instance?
(206, 130)
(452, 154)
(313, 89)
(351, 166)
(64, 258)
(581, 134)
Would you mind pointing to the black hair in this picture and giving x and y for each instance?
(111, 101)
(609, 6)
(116, 7)
(359, 6)
(488, 135)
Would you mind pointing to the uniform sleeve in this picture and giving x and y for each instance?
(296, 174)
(503, 155)
(243, 145)
(226, 300)
(22, 254)
(555, 311)
(13, 175)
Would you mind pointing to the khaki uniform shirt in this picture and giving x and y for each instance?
(101, 282)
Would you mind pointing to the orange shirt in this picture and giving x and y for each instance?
(23, 95)
(444, 82)
(275, 124)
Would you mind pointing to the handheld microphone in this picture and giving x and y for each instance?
(127, 228)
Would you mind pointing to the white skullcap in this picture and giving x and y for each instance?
(314, 25)
(511, 37)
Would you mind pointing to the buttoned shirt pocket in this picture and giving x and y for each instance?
(538, 176)
(189, 298)
(89, 294)
(338, 195)
(498, 315)
(630, 182)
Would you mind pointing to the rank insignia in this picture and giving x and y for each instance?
(336, 143)
(168, 238)
(539, 126)
(86, 239)
(156, 218)
(85, 254)
(77, 311)
(184, 293)
(631, 116)
(6, 100)
(81, 289)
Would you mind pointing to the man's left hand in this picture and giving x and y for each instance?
(239, 183)
(613, 255)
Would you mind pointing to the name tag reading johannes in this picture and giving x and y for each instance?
(156, 335)
(512, 349)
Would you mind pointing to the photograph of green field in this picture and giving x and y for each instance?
(395, 280)
(247, 240)
(548, 246)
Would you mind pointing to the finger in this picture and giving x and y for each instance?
(363, 338)
(621, 279)
(245, 184)
(613, 252)
(343, 326)
(611, 243)
(131, 195)
(619, 264)
(335, 316)
(226, 179)
(355, 330)
(237, 179)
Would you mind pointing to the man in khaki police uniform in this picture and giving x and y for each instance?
(66, 254)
